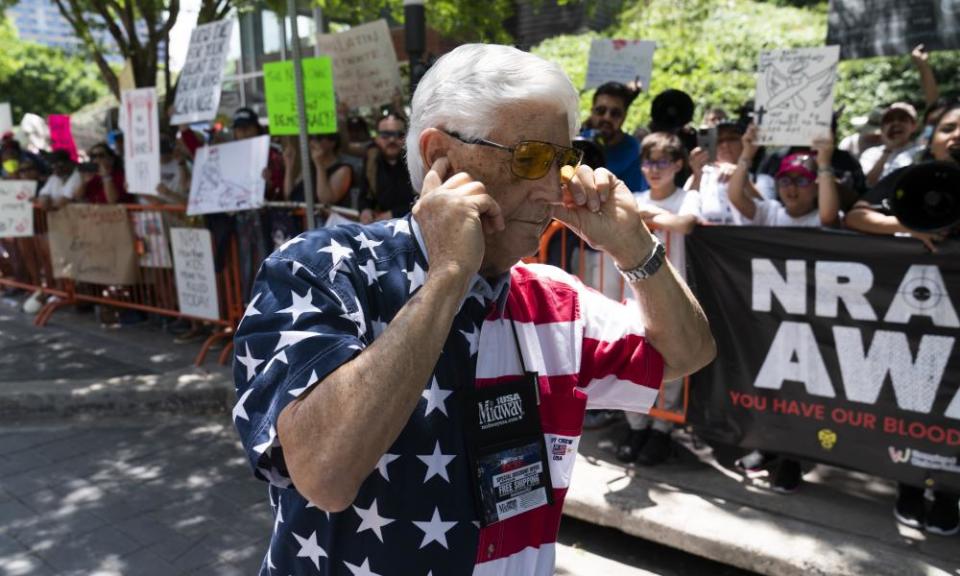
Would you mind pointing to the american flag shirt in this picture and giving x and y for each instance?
(322, 298)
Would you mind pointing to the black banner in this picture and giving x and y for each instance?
(832, 346)
(867, 28)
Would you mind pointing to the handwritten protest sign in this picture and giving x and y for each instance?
(6, 117)
(141, 150)
(198, 91)
(193, 266)
(619, 61)
(92, 243)
(149, 228)
(16, 209)
(365, 69)
(794, 102)
(320, 104)
(228, 177)
(61, 137)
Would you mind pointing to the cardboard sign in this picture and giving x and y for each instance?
(141, 152)
(228, 177)
(61, 137)
(6, 117)
(365, 69)
(150, 230)
(319, 101)
(16, 208)
(92, 243)
(198, 91)
(620, 61)
(794, 102)
(193, 266)
(868, 28)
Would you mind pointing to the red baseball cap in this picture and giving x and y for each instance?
(799, 163)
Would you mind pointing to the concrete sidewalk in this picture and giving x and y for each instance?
(840, 522)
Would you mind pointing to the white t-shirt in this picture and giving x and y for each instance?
(773, 213)
(681, 202)
(714, 202)
(56, 187)
(902, 158)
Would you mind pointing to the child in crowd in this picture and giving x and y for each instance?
(672, 212)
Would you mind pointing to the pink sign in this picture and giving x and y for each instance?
(61, 138)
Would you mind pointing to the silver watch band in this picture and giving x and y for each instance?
(649, 266)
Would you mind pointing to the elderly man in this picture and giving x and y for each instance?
(412, 393)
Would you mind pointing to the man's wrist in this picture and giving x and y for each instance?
(637, 251)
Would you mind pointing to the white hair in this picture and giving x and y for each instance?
(463, 90)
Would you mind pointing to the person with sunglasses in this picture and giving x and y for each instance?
(410, 390)
(611, 102)
(386, 191)
(106, 184)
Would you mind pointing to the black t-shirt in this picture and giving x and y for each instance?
(391, 190)
(297, 194)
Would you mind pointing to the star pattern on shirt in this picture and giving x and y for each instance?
(436, 463)
(367, 244)
(399, 227)
(378, 326)
(361, 570)
(238, 409)
(337, 253)
(280, 356)
(357, 318)
(302, 304)
(251, 308)
(385, 461)
(370, 519)
(310, 549)
(436, 398)
(295, 392)
(435, 529)
(369, 268)
(291, 242)
(473, 339)
(416, 277)
(250, 363)
(292, 337)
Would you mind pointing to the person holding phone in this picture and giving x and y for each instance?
(107, 184)
(413, 393)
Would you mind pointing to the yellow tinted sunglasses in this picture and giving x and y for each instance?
(531, 159)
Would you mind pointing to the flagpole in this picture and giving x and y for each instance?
(308, 190)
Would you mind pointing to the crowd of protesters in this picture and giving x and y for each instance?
(678, 181)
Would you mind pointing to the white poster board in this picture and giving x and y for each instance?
(198, 91)
(229, 177)
(141, 149)
(621, 61)
(6, 117)
(365, 69)
(794, 102)
(149, 228)
(193, 266)
(16, 208)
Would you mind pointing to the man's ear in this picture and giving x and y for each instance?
(434, 144)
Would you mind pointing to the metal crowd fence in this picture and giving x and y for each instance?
(564, 249)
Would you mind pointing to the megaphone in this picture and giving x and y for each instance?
(925, 197)
(671, 110)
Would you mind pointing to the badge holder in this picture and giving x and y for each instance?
(509, 468)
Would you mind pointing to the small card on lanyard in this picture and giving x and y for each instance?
(506, 449)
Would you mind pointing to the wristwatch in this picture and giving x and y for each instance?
(648, 268)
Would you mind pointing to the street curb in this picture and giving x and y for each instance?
(729, 532)
(189, 391)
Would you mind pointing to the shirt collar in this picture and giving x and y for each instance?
(480, 287)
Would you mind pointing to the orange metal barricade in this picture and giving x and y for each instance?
(596, 279)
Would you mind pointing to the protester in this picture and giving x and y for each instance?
(710, 178)
(387, 192)
(611, 102)
(174, 185)
(897, 127)
(64, 185)
(714, 117)
(32, 169)
(867, 133)
(674, 212)
(418, 308)
(105, 183)
(10, 153)
(331, 175)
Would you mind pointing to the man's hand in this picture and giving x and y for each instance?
(749, 141)
(453, 214)
(602, 211)
(823, 145)
(920, 56)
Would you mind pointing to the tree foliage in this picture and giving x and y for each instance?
(709, 48)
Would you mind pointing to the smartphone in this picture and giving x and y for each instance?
(88, 167)
(707, 140)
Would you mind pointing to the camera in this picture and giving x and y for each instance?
(707, 140)
(88, 167)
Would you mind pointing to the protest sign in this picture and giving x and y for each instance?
(228, 177)
(794, 102)
(92, 243)
(619, 61)
(868, 28)
(365, 69)
(319, 101)
(141, 149)
(834, 347)
(149, 229)
(193, 266)
(6, 117)
(61, 137)
(198, 90)
(16, 208)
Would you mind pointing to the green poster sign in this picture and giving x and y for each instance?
(318, 97)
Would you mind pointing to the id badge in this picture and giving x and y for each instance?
(506, 449)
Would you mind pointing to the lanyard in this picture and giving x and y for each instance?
(523, 365)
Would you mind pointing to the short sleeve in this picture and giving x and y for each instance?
(300, 325)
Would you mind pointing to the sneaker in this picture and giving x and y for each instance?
(755, 461)
(909, 508)
(628, 449)
(787, 476)
(34, 303)
(944, 516)
(655, 450)
(596, 419)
